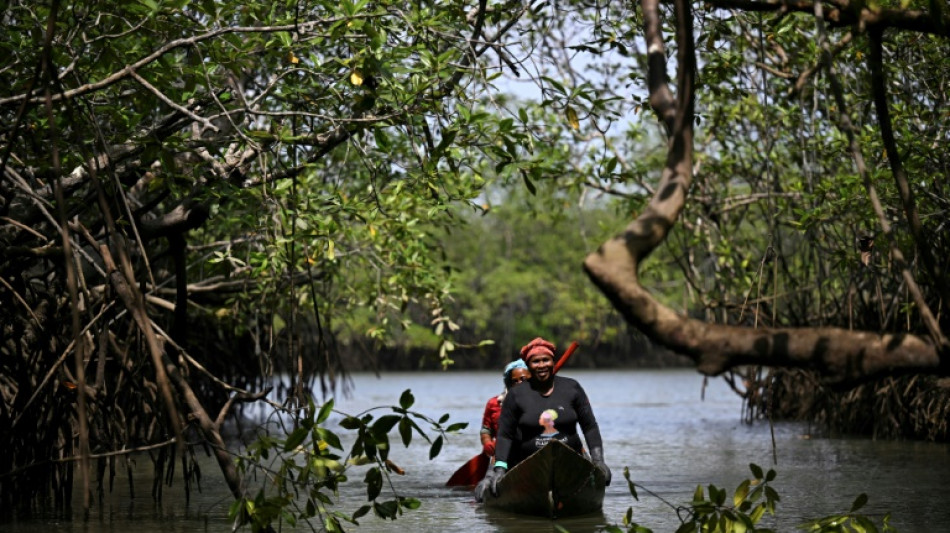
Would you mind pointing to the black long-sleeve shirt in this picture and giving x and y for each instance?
(520, 431)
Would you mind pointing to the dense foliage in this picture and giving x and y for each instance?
(301, 468)
(196, 197)
(222, 178)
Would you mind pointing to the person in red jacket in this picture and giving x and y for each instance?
(515, 372)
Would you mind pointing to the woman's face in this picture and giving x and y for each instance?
(541, 367)
(519, 375)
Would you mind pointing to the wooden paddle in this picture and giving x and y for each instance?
(474, 470)
(567, 355)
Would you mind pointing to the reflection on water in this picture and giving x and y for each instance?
(653, 422)
(503, 522)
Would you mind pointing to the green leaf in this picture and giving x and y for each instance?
(757, 513)
(756, 494)
(756, 470)
(382, 140)
(448, 137)
(746, 521)
(720, 495)
(686, 527)
(405, 431)
(859, 502)
(369, 444)
(361, 511)
(357, 449)
(332, 525)
(235, 507)
(278, 323)
(296, 438)
(152, 5)
(325, 411)
(329, 437)
(374, 483)
(458, 426)
(435, 448)
(557, 85)
(741, 492)
(528, 183)
(407, 399)
(385, 423)
(350, 423)
(209, 8)
(698, 494)
(410, 503)
(387, 509)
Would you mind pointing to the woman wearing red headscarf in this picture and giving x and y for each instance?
(523, 427)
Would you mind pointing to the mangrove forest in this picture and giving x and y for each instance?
(208, 205)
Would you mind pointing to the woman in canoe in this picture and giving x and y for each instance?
(524, 428)
(515, 372)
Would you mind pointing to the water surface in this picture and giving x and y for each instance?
(671, 432)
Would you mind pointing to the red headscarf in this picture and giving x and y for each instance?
(538, 346)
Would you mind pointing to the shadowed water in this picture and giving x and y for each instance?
(655, 422)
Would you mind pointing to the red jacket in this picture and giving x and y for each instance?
(490, 418)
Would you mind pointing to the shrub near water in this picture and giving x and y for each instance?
(303, 470)
(708, 512)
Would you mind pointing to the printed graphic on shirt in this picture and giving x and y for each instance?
(547, 421)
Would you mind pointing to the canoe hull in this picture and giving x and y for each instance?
(554, 482)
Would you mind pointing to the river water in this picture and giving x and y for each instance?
(671, 432)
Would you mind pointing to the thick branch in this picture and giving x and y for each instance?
(843, 357)
(184, 217)
(847, 13)
(209, 430)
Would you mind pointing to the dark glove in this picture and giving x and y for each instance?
(496, 475)
(489, 483)
(489, 448)
(597, 457)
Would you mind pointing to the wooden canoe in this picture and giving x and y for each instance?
(553, 482)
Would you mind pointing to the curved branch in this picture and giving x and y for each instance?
(661, 97)
(843, 357)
